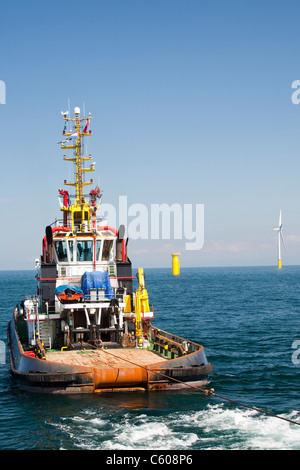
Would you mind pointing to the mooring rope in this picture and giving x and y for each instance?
(207, 392)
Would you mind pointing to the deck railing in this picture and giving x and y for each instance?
(168, 344)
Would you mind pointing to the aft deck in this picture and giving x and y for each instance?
(106, 358)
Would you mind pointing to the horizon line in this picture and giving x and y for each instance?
(192, 267)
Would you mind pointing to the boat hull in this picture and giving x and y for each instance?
(63, 374)
(38, 375)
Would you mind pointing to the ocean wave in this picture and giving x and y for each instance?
(215, 427)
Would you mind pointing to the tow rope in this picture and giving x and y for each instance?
(207, 392)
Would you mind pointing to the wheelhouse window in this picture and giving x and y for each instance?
(71, 250)
(85, 250)
(61, 250)
(107, 246)
(98, 249)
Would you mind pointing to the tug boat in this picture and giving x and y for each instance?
(86, 330)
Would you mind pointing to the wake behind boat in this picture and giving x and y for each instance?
(86, 330)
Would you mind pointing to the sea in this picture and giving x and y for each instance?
(247, 319)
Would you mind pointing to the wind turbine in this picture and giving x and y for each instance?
(279, 239)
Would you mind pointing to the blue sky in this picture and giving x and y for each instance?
(191, 104)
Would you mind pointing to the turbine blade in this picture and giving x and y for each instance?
(280, 222)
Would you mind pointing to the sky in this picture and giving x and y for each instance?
(191, 104)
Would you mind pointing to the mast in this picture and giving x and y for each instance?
(80, 213)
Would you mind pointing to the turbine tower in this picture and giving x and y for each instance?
(279, 239)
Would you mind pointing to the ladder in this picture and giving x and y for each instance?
(45, 332)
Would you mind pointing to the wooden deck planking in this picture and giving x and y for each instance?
(106, 358)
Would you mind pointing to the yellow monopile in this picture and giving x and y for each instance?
(175, 264)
